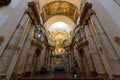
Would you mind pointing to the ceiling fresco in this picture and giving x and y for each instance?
(59, 8)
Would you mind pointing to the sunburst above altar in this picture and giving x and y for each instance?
(59, 38)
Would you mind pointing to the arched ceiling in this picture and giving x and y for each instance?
(59, 8)
(66, 11)
(69, 8)
(74, 2)
(61, 18)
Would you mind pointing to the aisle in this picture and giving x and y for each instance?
(60, 76)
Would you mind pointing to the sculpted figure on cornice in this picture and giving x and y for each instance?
(4, 2)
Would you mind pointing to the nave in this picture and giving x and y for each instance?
(59, 39)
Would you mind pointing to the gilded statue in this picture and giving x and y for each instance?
(117, 40)
(2, 39)
(4, 2)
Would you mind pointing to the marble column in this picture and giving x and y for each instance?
(72, 57)
(81, 67)
(29, 61)
(18, 51)
(88, 52)
(69, 62)
(37, 64)
(93, 52)
(10, 49)
(33, 64)
(25, 51)
(46, 58)
(88, 59)
(100, 49)
(85, 64)
(42, 57)
(76, 55)
(112, 58)
(49, 59)
(88, 62)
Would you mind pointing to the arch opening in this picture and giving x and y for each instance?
(59, 25)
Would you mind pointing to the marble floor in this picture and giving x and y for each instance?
(47, 76)
(69, 76)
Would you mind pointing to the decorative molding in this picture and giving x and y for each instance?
(2, 39)
(13, 47)
(2, 76)
(116, 76)
(86, 13)
(59, 8)
(37, 43)
(117, 40)
(33, 12)
(82, 43)
(4, 2)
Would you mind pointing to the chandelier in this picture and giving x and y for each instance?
(58, 51)
(59, 37)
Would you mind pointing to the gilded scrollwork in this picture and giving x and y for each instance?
(87, 17)
(86, 12)
(31, 14)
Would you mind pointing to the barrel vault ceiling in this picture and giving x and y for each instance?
(68, 8)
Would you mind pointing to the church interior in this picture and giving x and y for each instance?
(59, 39)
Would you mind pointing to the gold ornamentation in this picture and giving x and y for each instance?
(59, 37)
(82, 44)
(2, 39)
(60, 8)
(117, 40)
(87, 17)
(86, 12)
(31, 14)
